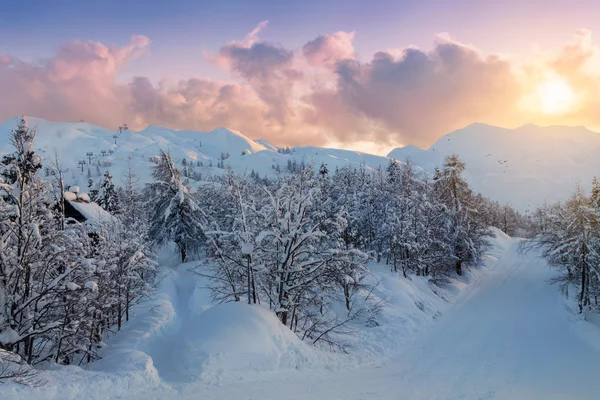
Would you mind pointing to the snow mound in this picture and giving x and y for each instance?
(233, 340)
(70, 196)
(73, 286)
(84, 197)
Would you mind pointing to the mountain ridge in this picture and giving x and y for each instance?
(523, 166)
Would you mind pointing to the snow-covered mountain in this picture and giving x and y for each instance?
(524, 166)
(74, 140)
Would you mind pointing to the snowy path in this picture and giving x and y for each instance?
(510, 337)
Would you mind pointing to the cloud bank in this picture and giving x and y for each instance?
(319, 94)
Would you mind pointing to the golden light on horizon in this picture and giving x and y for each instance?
(554, 96)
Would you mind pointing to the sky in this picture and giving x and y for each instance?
(364, 75)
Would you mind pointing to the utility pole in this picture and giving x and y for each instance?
(90, 154)
(82, 163)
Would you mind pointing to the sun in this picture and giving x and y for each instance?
(555, 96)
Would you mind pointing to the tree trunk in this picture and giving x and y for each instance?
(283, 317)
(29, 343)
(254, 297)
(459, 267)
(582, 293)
(293, 318)
(119, 309)
(584, 278)
(249, 279)
(347, 294)
(127, 301)
(182, 252)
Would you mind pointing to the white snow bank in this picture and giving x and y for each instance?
(184, 339)
(234, 339)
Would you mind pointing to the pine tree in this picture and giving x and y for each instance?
(455, 193)
(323, 171)
(184, 165)
(107, 196)
(595, 191)
(174, 213)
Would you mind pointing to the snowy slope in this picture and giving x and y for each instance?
(524, 166)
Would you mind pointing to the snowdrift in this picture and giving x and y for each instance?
(180, 337)
(234, 340)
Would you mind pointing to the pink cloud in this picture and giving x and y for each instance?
(401, 96)
(327, 50)
(77, 83)
(422, 95)
(266, 67)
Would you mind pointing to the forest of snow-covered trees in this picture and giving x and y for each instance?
(63, 285)
(298, 245)
(569, 235)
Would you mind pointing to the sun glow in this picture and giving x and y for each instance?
(554, 96)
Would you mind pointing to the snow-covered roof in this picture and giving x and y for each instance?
(93, 213)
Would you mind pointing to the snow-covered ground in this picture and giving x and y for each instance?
(502, 332)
